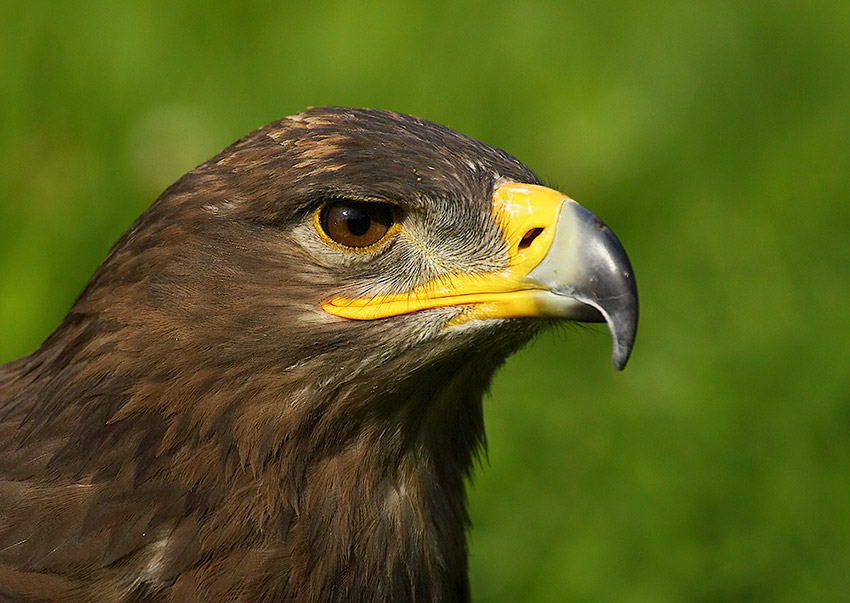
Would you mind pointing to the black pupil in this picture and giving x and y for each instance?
(358, 221)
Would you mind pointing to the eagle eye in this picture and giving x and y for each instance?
(355, 223)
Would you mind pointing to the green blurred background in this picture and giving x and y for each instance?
(713, 136)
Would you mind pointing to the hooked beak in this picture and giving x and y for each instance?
(564, 263)
(588, 277)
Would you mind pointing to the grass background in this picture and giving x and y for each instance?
(713, 136)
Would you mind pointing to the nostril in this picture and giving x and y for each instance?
(529, 238)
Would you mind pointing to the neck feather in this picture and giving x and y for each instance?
(348, 496)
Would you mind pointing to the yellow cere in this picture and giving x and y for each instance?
(527, 215)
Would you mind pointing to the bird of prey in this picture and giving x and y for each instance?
(271, 388)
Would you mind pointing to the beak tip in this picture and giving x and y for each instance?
(623, 327)
(620, 356)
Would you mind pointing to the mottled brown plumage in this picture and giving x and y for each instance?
(198, 429)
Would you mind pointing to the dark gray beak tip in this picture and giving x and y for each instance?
(623, 332)
(621, 314)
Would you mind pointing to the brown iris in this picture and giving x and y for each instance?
(355, 223)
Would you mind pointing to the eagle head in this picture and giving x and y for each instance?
(271, 388)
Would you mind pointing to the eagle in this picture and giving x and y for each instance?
(271, 388)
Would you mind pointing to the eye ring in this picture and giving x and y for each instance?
(355, 225)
